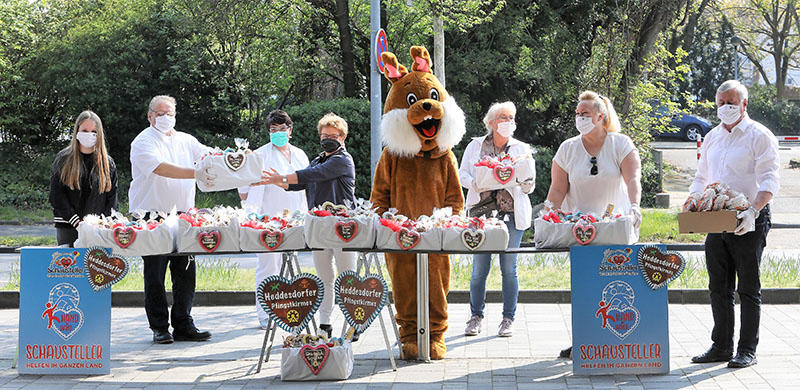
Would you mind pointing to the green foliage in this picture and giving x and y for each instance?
(356, 113)
(781, 117)
(662, 226)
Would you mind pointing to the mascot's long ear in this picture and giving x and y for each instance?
(392, 68)
(422, 60)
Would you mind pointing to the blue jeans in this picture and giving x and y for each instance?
(481, 263)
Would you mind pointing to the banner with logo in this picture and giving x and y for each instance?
(619, 324)
(64, 324)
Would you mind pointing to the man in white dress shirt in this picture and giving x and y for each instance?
(162, 161)
(743, 154)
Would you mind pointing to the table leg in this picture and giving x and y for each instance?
(423, 309)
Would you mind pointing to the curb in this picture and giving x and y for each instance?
(769, 296)
(26, 223)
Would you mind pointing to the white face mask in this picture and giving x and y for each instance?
(584, 124)
(165, 123)
(506, 129)
(729, 113)
(87, 139)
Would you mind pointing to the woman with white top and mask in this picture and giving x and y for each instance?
(598, 167)
(285, 158)
(511, 205)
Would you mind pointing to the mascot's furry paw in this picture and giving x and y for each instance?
(410, 350)
(438, 349)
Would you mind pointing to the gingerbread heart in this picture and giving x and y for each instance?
(234, 160)
(315, 357)
(209, 241)
(271, 239)
(102, 269)
(584, 234)
(660, 268)
(503, 173)
(473, 238)
(407, 239)
(329, 206)
(361, 299)
(346, 230)
(124, 236)
(291, 303)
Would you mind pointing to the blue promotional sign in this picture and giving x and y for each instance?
(64, 324)
(619, 324)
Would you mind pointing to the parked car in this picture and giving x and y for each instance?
(688, 126)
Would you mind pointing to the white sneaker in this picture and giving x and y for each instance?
(505, 328)
(473, 326)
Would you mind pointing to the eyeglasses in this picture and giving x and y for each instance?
(505, 117)
(593, 171)
(275, 129)
(329, 136)
(161, 113)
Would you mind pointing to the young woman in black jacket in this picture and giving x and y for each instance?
(83, 178)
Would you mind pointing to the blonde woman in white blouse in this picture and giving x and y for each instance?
(597, 167)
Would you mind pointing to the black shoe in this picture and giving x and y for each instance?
(161, 336)
(742, 360)
(713, 355)
(327, 328)
(355, 337)
(190, 334)
(566, 353)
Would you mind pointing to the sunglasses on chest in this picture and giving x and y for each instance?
(593, 171)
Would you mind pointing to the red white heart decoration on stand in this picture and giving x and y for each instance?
(473, 238)
(209, 241)
(124, 236)
(408, 239)
(234, 160)
(346, 230)
(271, 239)
(584, 233)
(315, 357)
(503, 173)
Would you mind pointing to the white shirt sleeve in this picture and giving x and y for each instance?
(145, 155)
(466, 173)
(198, 150)
(767, 166)
(562, 156)
(701, 176)
(624, 148)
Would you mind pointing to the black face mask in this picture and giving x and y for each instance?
(329, 145)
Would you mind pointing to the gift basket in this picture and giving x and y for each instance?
(396, 231)
(351, 225)
(129, 237)
(559, 229)
(208, 230)
(233, 167)
(314, 358)
(281, 232)
(461, 233)
(494, 173)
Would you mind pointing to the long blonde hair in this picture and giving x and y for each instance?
(602, 104)
(72, 165)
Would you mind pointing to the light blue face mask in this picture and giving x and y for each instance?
(279, 138)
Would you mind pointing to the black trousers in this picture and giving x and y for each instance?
(182, 272)
(729, 256)
(66, 236)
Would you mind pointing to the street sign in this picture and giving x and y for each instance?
(381, 45)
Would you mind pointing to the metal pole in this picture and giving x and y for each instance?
(375, 107)
(423, 309)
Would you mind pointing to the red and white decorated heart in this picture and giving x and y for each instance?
(584, 233)
(503, 173)
(315, 357)
(271, 239)
(234, 160)
(407, 239)
(346, 230)
(124, 236)
(473, 238)
(209, 241)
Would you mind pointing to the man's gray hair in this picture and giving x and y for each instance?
(733, 84)
(159, 98)
(494, 110)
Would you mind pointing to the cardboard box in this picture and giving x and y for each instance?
(707, 222)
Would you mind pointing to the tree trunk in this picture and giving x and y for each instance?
(346, 45)
(438, 49)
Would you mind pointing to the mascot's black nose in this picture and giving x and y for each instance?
(426, 106)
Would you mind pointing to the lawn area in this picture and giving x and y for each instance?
(660, 225)
(8, 213)
(19, 241)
